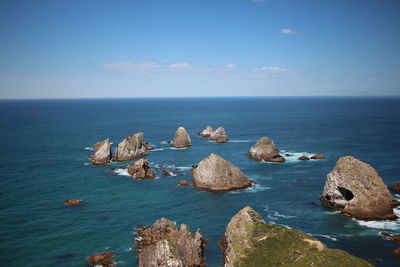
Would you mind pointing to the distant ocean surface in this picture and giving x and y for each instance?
(44, 152)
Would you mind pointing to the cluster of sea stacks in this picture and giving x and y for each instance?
(353, 187)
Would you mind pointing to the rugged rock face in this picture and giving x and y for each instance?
(102, 259)
(216, 174)
(265, 150)
(182, 138)
(249, 241)
(141, 169)
(355, 188)
(219, 135)
(131, 147)
(73, 202)
(102, 153)
(396, 187)
(148, 146)
(207, 131)
(164, 245)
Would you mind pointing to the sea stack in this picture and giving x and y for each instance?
(131, 147)
(355, 188)
(182, 138)
(217, 174)
(219, 135)
(141, 170)
(265, 150)
(207, 131)
(250, 241)
(164, 245)
(102, 153)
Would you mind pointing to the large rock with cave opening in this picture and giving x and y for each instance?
(102, 153)
(141, 169)
(265, 150)
(217, 174)
(131, 147)
(250, 241)
(163, 244)
(182, 138)
(219, 135)
(355, 188)
(207, 131)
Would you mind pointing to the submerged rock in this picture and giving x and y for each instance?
(249, 241)
(304, 158)
(396, 187)
(73, 202)
(355, 188)
(183, 183)
(396, 252)
(207, 131)
(141, 169)
(148, 146)
(265, 150)
(318, 156)
(102, 153)
(131, 147)
(166, 173)
(163, 244)
(390, 237)
(219, 135)
(217, 174)
(182, 138)
(102, 259)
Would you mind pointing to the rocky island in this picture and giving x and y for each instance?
(355, 188)
(162, 244)
(250, 241)
(131, 147)
(219, 135)
(265, 150)
(102, 153)
(182, 138)
(217, 174)
(141, 170)
(207, 131)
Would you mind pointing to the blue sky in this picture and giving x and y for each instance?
(167, 48)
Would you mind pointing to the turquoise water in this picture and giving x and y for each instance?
(43, 162)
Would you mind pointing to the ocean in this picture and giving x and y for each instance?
(45, 145)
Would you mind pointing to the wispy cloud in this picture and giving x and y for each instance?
(270, 69)
(288, 31)
(179, 65)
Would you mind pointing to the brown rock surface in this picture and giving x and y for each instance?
(102, 259)
(163, 244)
(318, 156)
(355, 188)
(304, 158)
(102, 153)
(131, 147)
(148, 146)
(183, 183)
(265, 150)
(219, 134)
(73, 202)
(182, 138)
(207, 131)
(396, 187)
(141, 169)
(217, 174)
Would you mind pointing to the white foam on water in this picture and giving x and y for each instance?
(86, 163)
(178, 148)
(274, 215)
(294, 156)
(88, 148)
(123, 172)
(156, 149)
(138, 238)
(255, 188)
(260, 177)
(240, 141)
(325, 236)
(183, 168)
(164, 142)
(384, 225)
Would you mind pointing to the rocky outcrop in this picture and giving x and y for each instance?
(390, 237)
(183, 183)
(217, 174)
(102, 153)
(265, 150)
(141, 169)
(131, 147)
(182, 138)
(249, 241)
(396, 187)
(73, 202)
(102, 259)
(304, 158)
(148, 146)
(219, 135)
(166, 173)
(355, 188)
(207, 131)
(163, 244)
(318, 156)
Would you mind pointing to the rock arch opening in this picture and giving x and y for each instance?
(347, 194)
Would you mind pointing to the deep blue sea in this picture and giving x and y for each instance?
(44, 149)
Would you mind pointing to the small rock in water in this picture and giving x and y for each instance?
(318, 156)
(183, 183)
(390, 237)
(304, 158)
(395, 252)
(148, 146)
(182, 138)
(141, 169)
(102, 259)
(396, 187)
(207, 131)
(73, 202)
(219, 135)
(265, 150)
(166, 173)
